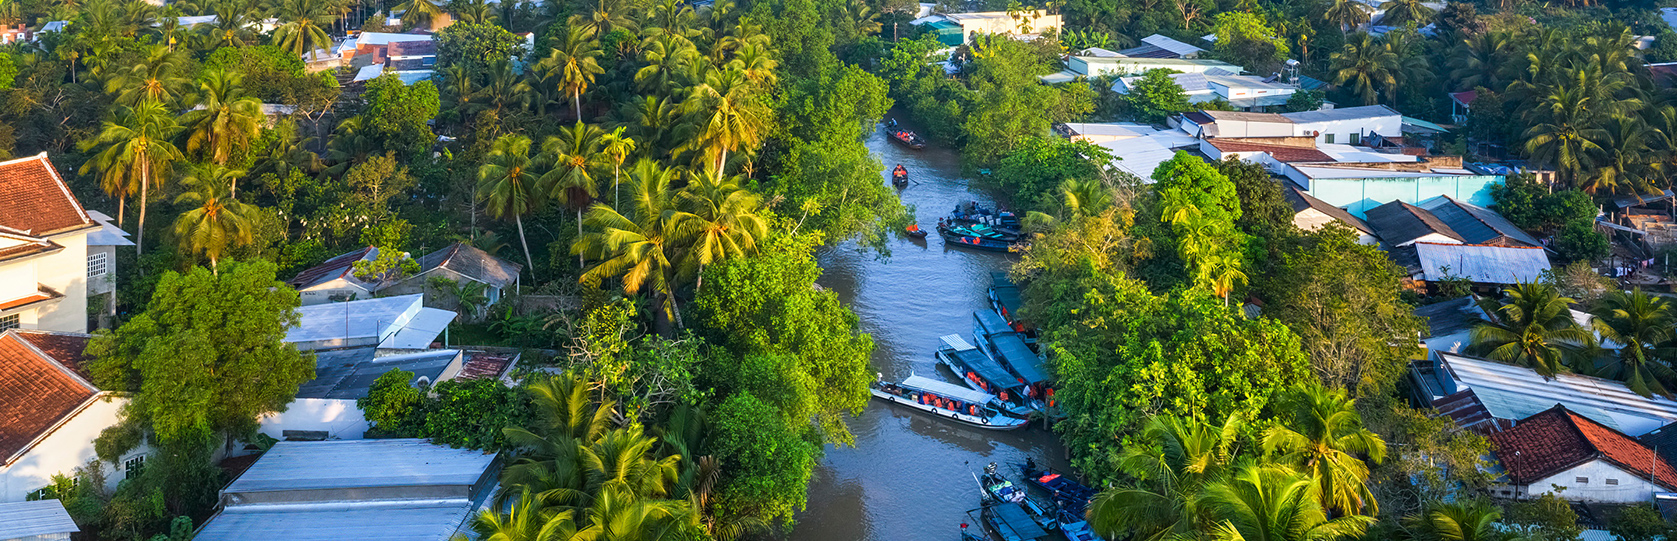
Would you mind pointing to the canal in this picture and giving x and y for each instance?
(909, 475)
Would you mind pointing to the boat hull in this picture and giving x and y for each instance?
(996, 423)
(975, 243)
(1015, 410)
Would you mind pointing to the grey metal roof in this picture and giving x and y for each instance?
(27, 519)
(1172, 45)
(401, 322)
(1624, 201)
(1476, 224)
(350, 372)
(1450, 317)
(1249, 117)
(422, 520)
(1515, 392)
(470, 261)
(1398, 223)
(1300, 201)
(1010, 349)
(948, 390)
(981, 364)
(306, 465)
(1481, 264)
(1341, 113)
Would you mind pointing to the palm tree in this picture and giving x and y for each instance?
(574, 154)
(579, 61)
(617, 148)
(1565, 125)
(1323, 435)
(639, 251)
(505, 183)
(525, 520)
(654, 122)
(137, 143)
(1364, 66)
(1272, 503)
(604, 15)
(1401, 12)
(666, 56)
(228, 120)
(728, 114)
(157, 78)
(757, 64)
(1642, 324)
(503, 89)
(219, 221)
(720, 222)
(1085, 197)
(233, 19)
(1534, 329)
(304, 28)
(419, 11)
(1623, 164)
(1455, 521)
(1347, 14)
(473, 11)
(1174, 459)
(615, 516)
(1479, 59)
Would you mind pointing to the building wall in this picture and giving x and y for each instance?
(1243, 128)
(68, 447)
(339, 418)
(322, 293)
(1357, 195)
(1630, 488)
(1003, 24)
(65, 272)
(1311, 219)
(1390, 126)
(1092, 66)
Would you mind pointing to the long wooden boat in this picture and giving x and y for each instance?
(907, 138)
(982, 373)
(1010, 522)
(999, 489)
(899, 180)
(1007, 346)
(1070, 496)
(990, 245)
(982, 231)
(946, 400)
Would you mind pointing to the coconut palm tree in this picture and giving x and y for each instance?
(578, 59)
(1643, 326)
(1272, 503)
(504, 88)
(227, 121)
(1455, 521)
(419, 11)
(1323, 436)
(1085, 197)
(218, 221)
(1174, 459)
(525, 520)
(1533, 328)
(1623, 165)
(625, 461)
(641, 251)
(473, 11)
(1347, 14)
(604, 15)
(1401, 12)
(302, 30)
(574, 154)
(616, 516)
(757, 64)
(720, 222)
(1565, 128)
(1364, 67)
(617, 148)
(1478, 60)
(159, 77)
(232, 25)
(667, 56)
(136, 142)
(506, 183)
(729, 116)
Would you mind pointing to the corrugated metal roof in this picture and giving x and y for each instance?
(349, 373)
(396, 322)
(1514, 392)
(420, 331)
(297, 465)
(1481, 264)
(1476, 224)
(1010, 349)
(947, 390)
(982, 364)
(1398, 223)
(1342, 113)
(26, 519)
(421, 520)
(1172, 45)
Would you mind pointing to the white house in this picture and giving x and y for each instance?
(52, 414)
(1348, 125)
(335, 280)
(1586, 460)
(325, 406)
(47, 268)
(1310, 214)
(1091, 66)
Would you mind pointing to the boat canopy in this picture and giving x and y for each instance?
(981, 364)
(991, 322)
(1007, 294)
(947, 390)
(1010, 347)
(1013, 517)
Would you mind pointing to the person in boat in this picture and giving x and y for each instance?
(900, 171)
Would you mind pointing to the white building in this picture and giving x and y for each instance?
(1580, 459)
(394, 323)
(52, 414)
(1242, 91)
(1311, 214)
(1348, 125)
(53, 253)
(42, 520)
(1091, 66)
(325, 406)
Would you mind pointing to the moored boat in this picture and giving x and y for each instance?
(995, 337)
(946, 400)
(999, 489)
(981, 231)
(982, 373)
(908, 138)
(914, 230)
(976, 243)
(1070, 496)
(1010, 522)
(899, 179)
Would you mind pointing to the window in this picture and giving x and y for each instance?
(98, 263)
(1612, 481)
(1327, 138)
(1581, 480)
(1354, 138)
(134, 466)
(10, 322)
(43, 493)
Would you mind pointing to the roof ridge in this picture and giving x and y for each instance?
(51, 361)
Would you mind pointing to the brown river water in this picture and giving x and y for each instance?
(910, 476)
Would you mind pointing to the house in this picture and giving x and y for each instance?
(988, 22)
(1461, 105)
(47, 266)
(1094, 66)
(1358, 187)
(370, 490)
(325, 406)
(1450, 324)
(335, 280)
(1207, 124)
(1480, 265)
(1474, 224)
(1158, 46)
(1241, 91)
(1471, 388)
(1270, 152)
(411, 55)
(1310, 214)
(1098, 133)
(369, 48)
(389, 323)
(460, 263)
(1349, 125)
(50, 414)
(1578, 458)
(1401, 224)
(41, 520)
(17, 33)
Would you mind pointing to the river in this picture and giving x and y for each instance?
(909, 477)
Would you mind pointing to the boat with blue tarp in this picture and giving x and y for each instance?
(947, 400)
(980, 243)
(1003, 343)
(1006, 301)
(998, 489)
(1010, 522)
(982, 373)
(1070, 496)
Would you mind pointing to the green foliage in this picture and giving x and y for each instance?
(1246, 40)
(769, 459)
(397, 115)
(1033, 173)
(1264, 209)
(458, 413)
(647, 373)
(1305, 100)
(1579, 241)
(266, 71)
(8, 71)
(1640, 523)
(1535, 207)
(1154, 97)
(1547, 518)
(1186, 181)
(474, 45)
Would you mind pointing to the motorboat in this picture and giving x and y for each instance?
(946, 400)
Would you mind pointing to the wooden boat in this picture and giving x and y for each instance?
(976, 243)
(1070, 496)
(899, 179)
(1010, 522)
(946, 400)
(915, 231)
(982, 231)
(1007, 346)
(908, 139)
(999, 489)
(982, 373)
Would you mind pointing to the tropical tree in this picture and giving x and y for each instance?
(1323, 435)
(1479, 59)
(1085, 197)
(1642, 325)
(1623, 167)
(1401, 12)
(419, 11)
(1532, 328)
(302, 30)
(232, 24)
(218, 221)
(641, 251)
(1272, 503)
(1364, 67)
(720, 222)
(1346, 14)
(136, 143)
(617, 147)
(578, 59)
(506, 184)
(157, 78)
(604, 15)
(1173, 460)
(1565, 128)
(728, 114)
(1455, 521)
(574, 155)
(227, 121)
(667, 56)
(524, 520)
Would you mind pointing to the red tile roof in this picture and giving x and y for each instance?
(42, 294)
(68, 348)
(1465, 97)
(35, 394)
(1556, 440)
(1280, 152)
(34, 199)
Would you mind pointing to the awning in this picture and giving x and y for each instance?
(421, 331)
(947, 390)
